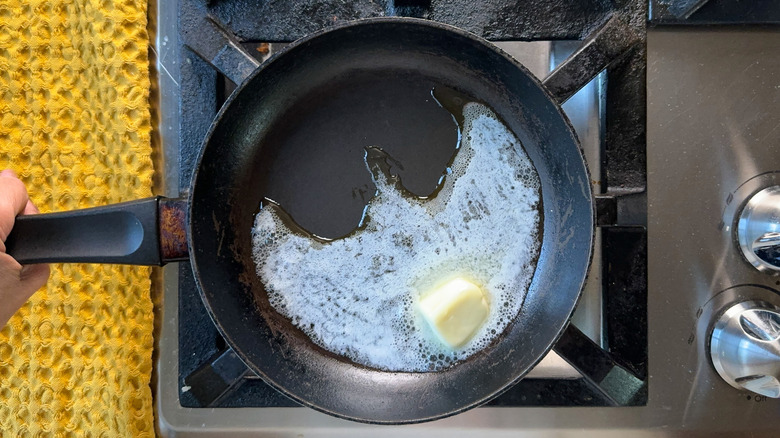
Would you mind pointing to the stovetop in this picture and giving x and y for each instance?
(658, 269)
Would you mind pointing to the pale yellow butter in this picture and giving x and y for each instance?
(455, 310)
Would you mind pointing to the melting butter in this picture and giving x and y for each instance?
(358, 296)
(455, 310)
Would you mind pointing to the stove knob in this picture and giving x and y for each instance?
(758, 230)
(745, 347)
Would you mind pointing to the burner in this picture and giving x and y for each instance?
(679, 127)
(221, 45)
(711, 111)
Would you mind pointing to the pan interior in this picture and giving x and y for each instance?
(312, 161)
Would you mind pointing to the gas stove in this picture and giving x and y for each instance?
(679, 128)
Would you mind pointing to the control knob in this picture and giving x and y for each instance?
(758, 230)
(745, 347)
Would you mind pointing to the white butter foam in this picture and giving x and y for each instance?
(357, 296)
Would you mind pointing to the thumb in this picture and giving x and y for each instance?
(34, 276)
(17, 284)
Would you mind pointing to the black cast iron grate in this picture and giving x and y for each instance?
(613, 34)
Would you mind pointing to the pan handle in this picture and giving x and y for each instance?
(149, 231)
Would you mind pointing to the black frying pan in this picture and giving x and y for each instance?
(294, 131)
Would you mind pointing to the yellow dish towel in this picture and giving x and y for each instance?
(75, 125)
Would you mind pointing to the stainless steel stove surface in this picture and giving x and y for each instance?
(664, 272)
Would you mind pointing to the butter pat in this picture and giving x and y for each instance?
(455, 311)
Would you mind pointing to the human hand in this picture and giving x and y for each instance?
(17, 282)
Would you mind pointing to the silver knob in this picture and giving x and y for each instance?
(745, 347)
(758, 230)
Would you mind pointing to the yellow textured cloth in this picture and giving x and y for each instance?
(75, 125)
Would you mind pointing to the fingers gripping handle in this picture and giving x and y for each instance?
(127, 233)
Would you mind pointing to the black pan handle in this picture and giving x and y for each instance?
(144, 232)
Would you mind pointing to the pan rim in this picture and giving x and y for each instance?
(259, 71)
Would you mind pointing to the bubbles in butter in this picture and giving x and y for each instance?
(357, 296)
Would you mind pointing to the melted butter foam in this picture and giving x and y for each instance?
(357, 296)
